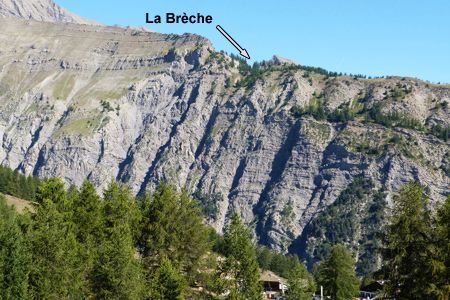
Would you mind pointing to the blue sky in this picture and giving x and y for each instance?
(382, 37)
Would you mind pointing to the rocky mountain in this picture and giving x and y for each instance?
(301, 153)
(41, 10)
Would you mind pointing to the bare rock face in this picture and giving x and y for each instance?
(40, 10)
(102, 103)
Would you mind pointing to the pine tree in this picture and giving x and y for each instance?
(14, 256)
(168, 284)
(264, 257)
(88, 221)
(117, 271)
(300, 283)
(52, 190)
(440, 264)
(240, 264)
(87, 213)
(337, 274)
(172, 226)
(57, 269)
(406, 252)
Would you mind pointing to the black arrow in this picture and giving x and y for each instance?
(241, 50)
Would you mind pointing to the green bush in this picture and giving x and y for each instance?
(441, 132)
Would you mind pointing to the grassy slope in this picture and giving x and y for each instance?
(19, 204)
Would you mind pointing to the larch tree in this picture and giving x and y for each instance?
(337, 274)
(301, 284)
(15, 257)
(172, 227)
(57, 270)
(117, 272)
(440, 264)
(406, 245)
(239, 272)
(168, 283)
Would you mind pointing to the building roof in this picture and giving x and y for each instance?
(269, 276)
(374, 286)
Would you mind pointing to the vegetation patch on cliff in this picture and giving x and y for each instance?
(354, 220)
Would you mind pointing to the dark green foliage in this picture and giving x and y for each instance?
(78, 245)
(81, 248)
(440, 262)
(208, 203)
(264, 257)
(106, 106)
(172, 227)
(442, 105)
(239, 274)
(342, 222)
(300, 283)
(276, 262)
(394, 119)
(416, 247)
(370, 242)
(320, 71)
(250, 75)
(57, 269)
(399, 91)
(88, 215)
(15, 255)
(117, 273)
(168, 284)
(315, 108)
(18, 185)
(406, 245)
(342, 114)
(337, 275)
(441, 132)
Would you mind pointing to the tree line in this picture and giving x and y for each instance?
(80, 245)
(416, 247)
(317, 109)
(18, 185)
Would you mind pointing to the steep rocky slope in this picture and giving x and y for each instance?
(41, 10)
(278, 143)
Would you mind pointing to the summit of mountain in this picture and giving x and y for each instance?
(40, 10)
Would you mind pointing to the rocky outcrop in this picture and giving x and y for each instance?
(101, 103)
(40, 10)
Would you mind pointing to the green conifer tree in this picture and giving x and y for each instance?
(168, 284)
(14, 256)
(301, 285)
(88, 213)
(240, 264)
(406, 250)
(440, 264)
(337, 274)
(172, 226)
(57, 269)
(117, 271)
(88, 221)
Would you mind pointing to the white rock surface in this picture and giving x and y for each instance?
(40, 10)
(100, 103)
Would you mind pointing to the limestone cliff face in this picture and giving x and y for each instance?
(86, 102)
(41, 10)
